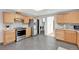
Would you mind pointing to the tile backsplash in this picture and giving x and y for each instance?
(64, 26)
(69, 26)
(59, 26)
(15, 25)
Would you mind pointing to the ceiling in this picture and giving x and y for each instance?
(33, 12)
(41, 12)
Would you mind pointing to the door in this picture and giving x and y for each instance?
(9, 36)
(60, 18)
(59, 34)
(37, 26)
(70, 36)
(8, 17)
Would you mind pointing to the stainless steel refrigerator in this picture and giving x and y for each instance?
(34, 24)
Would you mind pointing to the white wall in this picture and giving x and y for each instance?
(1, 27)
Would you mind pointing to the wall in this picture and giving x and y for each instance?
(1, 27)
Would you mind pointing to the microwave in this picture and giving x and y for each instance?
(76, 27)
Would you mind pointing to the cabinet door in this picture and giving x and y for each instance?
(59, 34)
(72, 17)
(26, 19)
(70, 36)
(60, 18)
(78, 39)
(28, 32)
(8, 17)
(9, 37)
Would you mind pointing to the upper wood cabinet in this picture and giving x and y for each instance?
(26, 19)
(18, 16)
(9, 36)
(60, 18)
(8, 17)
(69, 17)
(70, 36)
(72, 17)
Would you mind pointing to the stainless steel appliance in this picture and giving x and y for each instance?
(34, 26)
(76, 27)
(20, 34)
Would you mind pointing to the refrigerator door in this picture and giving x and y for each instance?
(35, 30)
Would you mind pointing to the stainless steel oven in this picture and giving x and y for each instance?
(20, 34)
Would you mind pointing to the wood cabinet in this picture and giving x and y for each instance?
(72, 17)
(8, 17)
(66, 35)
(19, 16)
(78, 39)
(60, 18)
(69, 17)
(26, 19)
(59, 34)
(9, 36)
(28, 32)
(70, 36)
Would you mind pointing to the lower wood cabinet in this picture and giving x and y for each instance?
(59, 34)
(66, 35)
(28, 32)
(70, 36)
(78, 39)
(9, 37)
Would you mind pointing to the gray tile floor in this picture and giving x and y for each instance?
(39, 42)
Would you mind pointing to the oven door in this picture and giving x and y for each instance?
(21, 35)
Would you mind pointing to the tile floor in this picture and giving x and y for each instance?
(39, 42)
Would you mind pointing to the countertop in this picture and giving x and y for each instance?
(68, 29)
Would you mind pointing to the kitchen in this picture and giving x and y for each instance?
(16, 27)
(39, 31)
(67, 27)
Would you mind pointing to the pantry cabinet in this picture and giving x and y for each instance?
(28, 32)
(8, 17)
(9, 36)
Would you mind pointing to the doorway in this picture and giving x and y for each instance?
(42, 26)
(49, 26)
